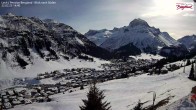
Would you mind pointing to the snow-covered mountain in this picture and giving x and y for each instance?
(35, 44)
(148, 39)
(188, 41)
(98, 36)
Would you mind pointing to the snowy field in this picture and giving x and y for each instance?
(41, 66)
(125, 93)
(147, 56)
(8, 73)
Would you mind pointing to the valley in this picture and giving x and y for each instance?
(122, 93)
(46, 65)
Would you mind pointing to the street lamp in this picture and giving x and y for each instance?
(154, 97)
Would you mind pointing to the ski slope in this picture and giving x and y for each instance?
(125, 93)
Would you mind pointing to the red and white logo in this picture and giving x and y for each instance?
(185, 6)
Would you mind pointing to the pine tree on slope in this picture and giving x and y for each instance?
(95, 100)
(138, 106)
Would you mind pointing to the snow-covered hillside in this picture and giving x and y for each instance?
(139, 33)
(40, 66)
(48, 35)
(10, 75)
(29, 46)
(125, 93)
(188, 41)
(98, 36)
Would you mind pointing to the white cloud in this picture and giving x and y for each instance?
(162, 8)
(189, 15)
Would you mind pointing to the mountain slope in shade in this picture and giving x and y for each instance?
(188, 41)
(148, 39)
(126, 51)
(32, 33)
(28, 42)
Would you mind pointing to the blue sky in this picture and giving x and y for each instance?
(83, 15)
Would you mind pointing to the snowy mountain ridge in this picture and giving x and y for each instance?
(138, 32)
(98, 37)
(189, 41)
(29, 45)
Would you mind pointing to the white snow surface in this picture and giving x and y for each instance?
(79, 41)
(147, 56)
(167, 39)
(125, 93)
(100, 36)
(41, 66)
(9, 72)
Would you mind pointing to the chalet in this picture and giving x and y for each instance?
(37, 95)
(44, 94)
(138, 72)
(64, 83)
(20, 95)
(20, 99)
(50, 93)
(33, 92)
(28, 94)
(37, 88)
(5, 97)
(3, 94)
(12, 97)
(16, 102)
(10, 92)
(151, 71)
(18, 90)
(75, 85)
(41, 99)
(62, 90)
(7, 105)
(164, 70)
(27, 101)
(6, 100)
(40, 77)
(53, 89)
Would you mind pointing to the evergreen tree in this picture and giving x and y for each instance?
(188, 62)
(23, 44)
(133, 70)
(21, 61)
(138, 106)
(191, 75)
(81, 87)
(95, 100)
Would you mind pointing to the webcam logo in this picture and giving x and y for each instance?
(185, 6)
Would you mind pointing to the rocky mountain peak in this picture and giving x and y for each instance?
(50, 21)
(137, 22)
(10, 14)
